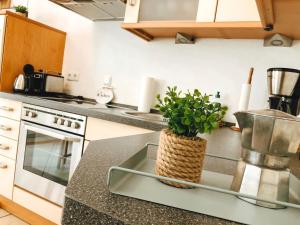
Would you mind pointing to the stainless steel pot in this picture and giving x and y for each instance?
(269, 139)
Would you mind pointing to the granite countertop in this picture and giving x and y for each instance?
(88, 200)
(111, 114)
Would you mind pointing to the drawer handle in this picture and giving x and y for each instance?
(5, 128)
(5, 108)
(4, 147)
(3, 165)
(132, 2)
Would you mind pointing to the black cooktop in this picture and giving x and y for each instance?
(70, 99)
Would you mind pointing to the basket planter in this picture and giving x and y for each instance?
(180, 157)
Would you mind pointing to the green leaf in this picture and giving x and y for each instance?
(190, 113)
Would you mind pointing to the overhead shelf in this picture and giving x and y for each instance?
(162, 29)
(283, 15)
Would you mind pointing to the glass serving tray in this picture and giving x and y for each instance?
(136, 178)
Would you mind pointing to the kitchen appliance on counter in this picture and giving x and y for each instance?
(269, 139)
(284, 90)
(50, 148)
(19, 84)
(39, 83)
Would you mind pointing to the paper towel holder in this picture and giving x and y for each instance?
(249, 82)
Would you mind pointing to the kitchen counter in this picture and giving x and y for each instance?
(110, 114)
(88, 200)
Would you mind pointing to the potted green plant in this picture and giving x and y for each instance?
(181, 152)
(21, 10)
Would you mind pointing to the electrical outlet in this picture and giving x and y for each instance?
(73, 76)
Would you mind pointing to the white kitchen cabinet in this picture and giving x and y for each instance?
(207, 10)
(9, 128)
(8, 147)
(157, 10)
(102, 129)
(237, 11)
(38, 205)
(10, 109)
(7, 172)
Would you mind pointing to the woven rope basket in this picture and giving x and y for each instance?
(180, 157)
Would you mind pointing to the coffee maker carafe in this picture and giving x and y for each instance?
(284, 90)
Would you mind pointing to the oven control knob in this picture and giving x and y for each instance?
(32, 114)
(60, 121)
(75, 125)
(67, 123)
(55, 120)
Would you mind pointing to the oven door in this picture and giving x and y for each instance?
(46, 160)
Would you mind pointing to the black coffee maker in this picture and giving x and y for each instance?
(284, 90)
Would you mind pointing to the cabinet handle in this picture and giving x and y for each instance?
(3, 165)
(5, 128)
(5, 108)
(4, 147)
(132, 2)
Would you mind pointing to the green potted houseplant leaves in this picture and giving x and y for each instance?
(21, 10)
(181, 152)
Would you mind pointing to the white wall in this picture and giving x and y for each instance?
(96, 49)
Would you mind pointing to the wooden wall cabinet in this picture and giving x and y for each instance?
(229, 19)
(5, 4)
(199, 18)
(24, 41)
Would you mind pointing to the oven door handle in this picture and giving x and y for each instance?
(53, 134)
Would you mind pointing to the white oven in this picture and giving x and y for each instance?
(48, 151)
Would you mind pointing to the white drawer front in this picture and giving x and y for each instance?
(8, 147)
(10, 109)
(7, 172)
(9, 128)
(38, 205)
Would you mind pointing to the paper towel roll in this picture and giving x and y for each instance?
(147, 94)
(245, 97)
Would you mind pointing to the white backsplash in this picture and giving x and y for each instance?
(97, 49)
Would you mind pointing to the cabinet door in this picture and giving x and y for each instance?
(8, 147)
(10, 109)
(158, 10)
(97, 129)
(237, 10)
(7, 171)
(207, 10)
(38, 205)
(9, 128)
